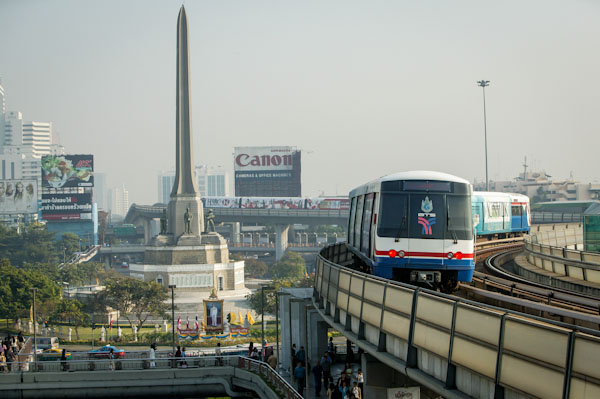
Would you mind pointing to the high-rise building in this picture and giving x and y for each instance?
(38, 135)
(119, 200)
(100, 193)
(212, 182)
(165, 185)
(2, 110)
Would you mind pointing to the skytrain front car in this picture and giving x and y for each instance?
(414, 227)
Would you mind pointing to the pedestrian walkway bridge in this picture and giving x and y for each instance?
(456, 347)
(233, 376)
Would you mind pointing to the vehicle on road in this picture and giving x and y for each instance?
(104, 352)
(43, 343)
(52, 354)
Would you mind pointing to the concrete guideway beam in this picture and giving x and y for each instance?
(446, 343)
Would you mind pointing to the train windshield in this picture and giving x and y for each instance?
(393, 218)
(460, 225)
(425, 215)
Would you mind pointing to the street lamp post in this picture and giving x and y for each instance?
(483, 84)
(262, 321)
(172, 287)
(34, 332)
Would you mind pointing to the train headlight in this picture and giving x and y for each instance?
(392, 253)
(450, 255)
(458, 255)
(401, 254)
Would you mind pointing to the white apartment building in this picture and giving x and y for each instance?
(212, 182)
(119, 200)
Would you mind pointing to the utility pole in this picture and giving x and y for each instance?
(34, 333)
(172, 287)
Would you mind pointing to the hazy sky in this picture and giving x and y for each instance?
(364, 88)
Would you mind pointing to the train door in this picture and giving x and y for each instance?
(517, 216)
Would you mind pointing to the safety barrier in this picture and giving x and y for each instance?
(550, 250)
(457, 341)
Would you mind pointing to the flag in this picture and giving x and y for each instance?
(250, 319)
(197, 325)
(305, 274)
(233, 317)
(31, 313)
(241, 318)
(179, 321)
(111, 321)
(187, 322)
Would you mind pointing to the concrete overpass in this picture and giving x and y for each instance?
(453, 346)
(280, 219)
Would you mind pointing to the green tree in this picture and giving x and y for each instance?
(68, 244)
(255, 268)
(291, 266)
(255, 299)
(16, 295)
(71, 310)
(135, 299)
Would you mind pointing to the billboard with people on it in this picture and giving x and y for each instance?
(18, 196)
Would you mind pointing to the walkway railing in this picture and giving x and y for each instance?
(549, 250)
(453, 340)
(95, 365)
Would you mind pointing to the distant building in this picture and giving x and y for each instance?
(540, 187)
(165, 185)
(212, 181)
(100, 191)
(119, 200)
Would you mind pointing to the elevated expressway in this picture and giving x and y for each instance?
(281, 219)
(456, 347)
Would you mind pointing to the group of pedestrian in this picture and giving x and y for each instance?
(180, 356)
(9, 348)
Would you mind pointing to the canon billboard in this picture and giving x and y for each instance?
(267, 172)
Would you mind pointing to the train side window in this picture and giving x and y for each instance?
(366, 223)
(517, 210)
(358, 219)
(351, 223)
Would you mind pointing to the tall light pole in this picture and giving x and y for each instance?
(262, 320)
(483, 84)
(172, 287)
(34, 332)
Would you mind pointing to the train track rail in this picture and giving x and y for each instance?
(499, 286)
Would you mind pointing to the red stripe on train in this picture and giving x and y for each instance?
(427, 254)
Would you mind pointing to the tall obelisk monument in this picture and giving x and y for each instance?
(186, 214)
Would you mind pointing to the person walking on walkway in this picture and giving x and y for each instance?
(360, 378)
(326, 365)
(63, 360)
(111, 361)
(218, 354)
(178, 356)
(299, 375)
(318, 374)
(152, 355)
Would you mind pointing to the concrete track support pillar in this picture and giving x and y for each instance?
(281, 240)
(380, 377)
(235, 232)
